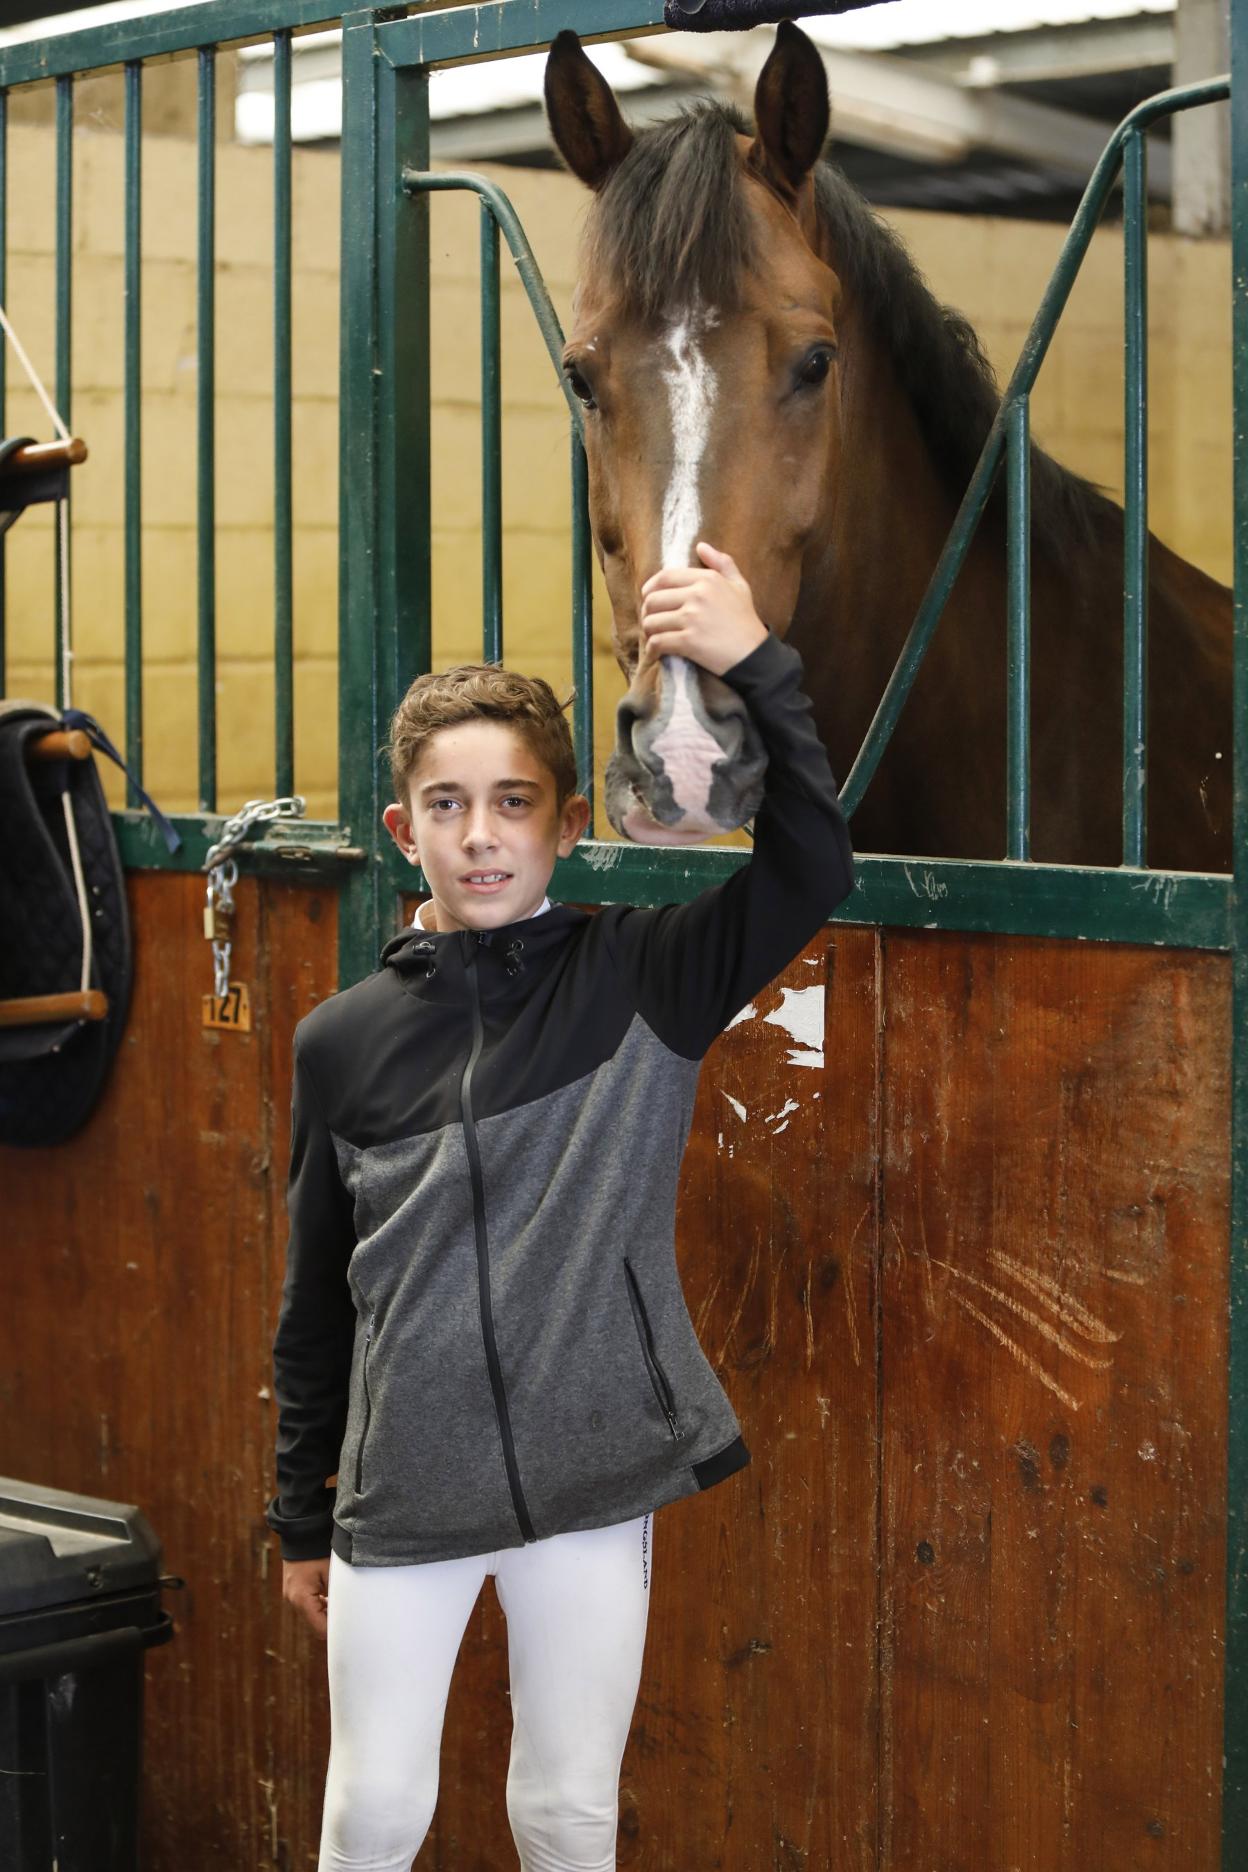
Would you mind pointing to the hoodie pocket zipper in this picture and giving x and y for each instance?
(658, 1377)
(368, 1407)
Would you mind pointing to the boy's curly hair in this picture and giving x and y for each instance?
(482, 692)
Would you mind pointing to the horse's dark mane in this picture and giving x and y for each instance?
(941, 364)
(671, 226)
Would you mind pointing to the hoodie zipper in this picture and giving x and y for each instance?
(483, 1248)
(368, 1407)
(658, 1377)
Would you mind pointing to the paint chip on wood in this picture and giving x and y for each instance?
(801, 1015)
(772, 1118)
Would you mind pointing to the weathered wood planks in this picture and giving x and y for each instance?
(964, 1279)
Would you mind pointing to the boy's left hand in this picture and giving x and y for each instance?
(705, 613)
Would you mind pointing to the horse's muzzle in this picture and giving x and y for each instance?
(688, 763)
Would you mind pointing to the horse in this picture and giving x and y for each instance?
(761, 364)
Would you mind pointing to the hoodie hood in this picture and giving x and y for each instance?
(413, 949)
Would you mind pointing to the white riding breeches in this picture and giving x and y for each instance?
(575, 1606)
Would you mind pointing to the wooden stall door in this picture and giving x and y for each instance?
(142, 1271)
(1055, 1167)
(953, 1228)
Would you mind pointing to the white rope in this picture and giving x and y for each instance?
(75, 858)
(62, 507)
(32, 373)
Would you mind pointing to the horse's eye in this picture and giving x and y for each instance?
(816, 367)
(579, 388)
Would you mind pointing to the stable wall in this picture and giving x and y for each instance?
(992, 270)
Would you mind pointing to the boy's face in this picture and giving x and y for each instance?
(484, 824)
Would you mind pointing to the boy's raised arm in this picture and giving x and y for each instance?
(693, 966)
(315, 1333)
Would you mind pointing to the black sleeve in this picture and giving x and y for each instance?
(315, 1330)
(691, 967)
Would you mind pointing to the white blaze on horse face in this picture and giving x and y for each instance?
(691, 396)
(686, 749)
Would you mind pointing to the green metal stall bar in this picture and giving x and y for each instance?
(384, 601)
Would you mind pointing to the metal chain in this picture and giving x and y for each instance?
(222, 872)
(255, 812)
(219, 908)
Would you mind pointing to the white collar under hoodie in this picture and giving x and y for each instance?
(419, 923)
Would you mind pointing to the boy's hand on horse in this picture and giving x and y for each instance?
(305, 1584)
(704, 612)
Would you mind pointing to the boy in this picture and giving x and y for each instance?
(482, 1330)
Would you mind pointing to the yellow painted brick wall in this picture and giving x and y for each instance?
(244, 478)
(992, 270)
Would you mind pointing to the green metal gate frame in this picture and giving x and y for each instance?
(1121, 904)
(384, 599)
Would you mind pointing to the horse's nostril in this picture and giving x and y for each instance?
(627, 716)
(729, 731)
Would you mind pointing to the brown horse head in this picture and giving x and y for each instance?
(703, 349)
(763, 366)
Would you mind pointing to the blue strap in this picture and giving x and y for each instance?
(78, 718)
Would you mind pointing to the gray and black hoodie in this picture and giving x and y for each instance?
(482, 1329)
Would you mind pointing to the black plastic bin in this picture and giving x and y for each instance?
(79, 1604)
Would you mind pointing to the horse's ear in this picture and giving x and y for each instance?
(790, 110)
(584, 117)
